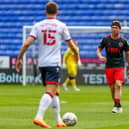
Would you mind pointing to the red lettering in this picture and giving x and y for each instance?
(49, 37)
(114, 50)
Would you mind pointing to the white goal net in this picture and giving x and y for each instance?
(88, 37)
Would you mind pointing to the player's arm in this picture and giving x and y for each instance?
(73, 47)
(65, 56)
(24, 48)
(126, 48)
(79, 60)
(101, 58)
(127, 59)
(99, 50)
(67, 38)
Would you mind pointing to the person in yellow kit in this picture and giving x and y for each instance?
(70, 62)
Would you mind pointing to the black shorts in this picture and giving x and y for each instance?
(50, 75)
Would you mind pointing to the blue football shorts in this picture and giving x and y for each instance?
(50, 75)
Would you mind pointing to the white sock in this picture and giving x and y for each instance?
(44, 103)
(64, 84)
(56, 107)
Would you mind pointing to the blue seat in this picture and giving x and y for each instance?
(15, 14)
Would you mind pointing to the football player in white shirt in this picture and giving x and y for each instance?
(49, 34)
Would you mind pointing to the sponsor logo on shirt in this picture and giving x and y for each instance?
(120, 44)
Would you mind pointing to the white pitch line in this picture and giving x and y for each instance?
(63, 102)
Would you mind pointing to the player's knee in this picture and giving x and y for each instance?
(50, 94)
(118, 84)
(57, 93)
(72, 77)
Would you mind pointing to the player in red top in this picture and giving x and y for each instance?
(114, 46)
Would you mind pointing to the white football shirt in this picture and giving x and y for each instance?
(49, 34)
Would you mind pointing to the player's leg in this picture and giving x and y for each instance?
(73, 82)
(119, 77)
(112, 89)
(66, 82)
(46, 99)
(55, 72)
(72, 76)
(114, 110)
(117, 97)
(56, 107)
(110, 80)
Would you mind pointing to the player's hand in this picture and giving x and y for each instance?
(18, 64)
(63, 65)
(103, 59)
(79, 64)
(128, 73)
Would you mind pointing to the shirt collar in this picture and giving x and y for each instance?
(51, 17)
(119, 37)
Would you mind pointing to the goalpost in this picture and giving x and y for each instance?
(88, 37)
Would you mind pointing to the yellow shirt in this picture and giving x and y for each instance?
(69, 57)
(71, 61)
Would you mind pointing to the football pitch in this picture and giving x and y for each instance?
(92, 105)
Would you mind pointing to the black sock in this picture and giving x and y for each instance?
(117, 105)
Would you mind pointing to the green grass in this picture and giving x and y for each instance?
(92, 105)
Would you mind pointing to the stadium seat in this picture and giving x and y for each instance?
(17, 13)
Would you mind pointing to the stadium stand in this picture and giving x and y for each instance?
(14, 14)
